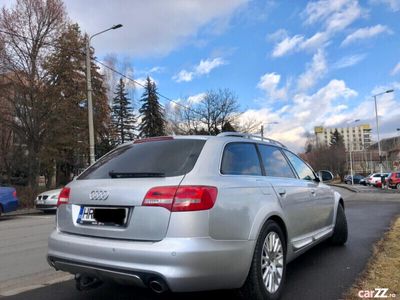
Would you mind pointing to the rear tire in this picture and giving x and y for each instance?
(340, 232)
(267, 264)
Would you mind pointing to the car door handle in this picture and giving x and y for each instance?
(281, 192)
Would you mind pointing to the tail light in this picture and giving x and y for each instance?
(63, 198)
(14, 194)
(182, 198)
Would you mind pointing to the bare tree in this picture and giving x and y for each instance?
(31, 28)
(214, 113)
(216, 109)
(248, 125)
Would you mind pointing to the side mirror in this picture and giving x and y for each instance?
(325, 175)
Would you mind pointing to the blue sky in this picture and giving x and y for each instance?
(299, 63)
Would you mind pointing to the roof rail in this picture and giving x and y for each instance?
(252, 137)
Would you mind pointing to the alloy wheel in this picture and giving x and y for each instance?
(272, 262)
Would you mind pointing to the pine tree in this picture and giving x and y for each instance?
(337, 154)
(152, 122)
(337, 140)
(123, 118)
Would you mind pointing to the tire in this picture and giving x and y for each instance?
(340, 233)
(254, 286)
(1, 210)
(398, 186)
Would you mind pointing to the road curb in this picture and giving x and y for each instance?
(344, 187)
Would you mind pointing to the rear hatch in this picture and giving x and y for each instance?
(106, 200)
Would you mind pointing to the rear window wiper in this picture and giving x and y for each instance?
(113, 174)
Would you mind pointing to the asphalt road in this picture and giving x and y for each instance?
(23, 248)
(324, 272)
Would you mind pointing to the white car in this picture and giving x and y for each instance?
(375, 178)
(47, 201)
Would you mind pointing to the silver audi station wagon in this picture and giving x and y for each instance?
(194, 213)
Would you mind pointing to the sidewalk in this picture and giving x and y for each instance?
(23, 211)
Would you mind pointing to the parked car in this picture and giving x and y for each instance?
(47, 201)
(363, 181)
(8, 199)
(193, 213)
(393, 180)
(356, 179)
(375, 179)
(378, 181)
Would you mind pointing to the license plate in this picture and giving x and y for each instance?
(103, 216)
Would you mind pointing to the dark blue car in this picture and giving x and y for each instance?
(8, 199)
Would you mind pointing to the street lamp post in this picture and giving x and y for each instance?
(89, 92)
(262, 128)
(377, 128)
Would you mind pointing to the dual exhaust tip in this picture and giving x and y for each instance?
(84, 283)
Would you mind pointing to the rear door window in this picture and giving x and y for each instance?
(275, 164)
(167, 158)
(241, 159)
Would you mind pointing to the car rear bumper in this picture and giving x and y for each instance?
(184, 264)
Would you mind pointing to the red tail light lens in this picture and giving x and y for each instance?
(160, 196)
(15, 194)
(182, 198)
(63, 198)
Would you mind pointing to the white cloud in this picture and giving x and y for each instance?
(287, 45)
(183, 76)
(315, 71)
(297, 43)
(149, 27)
(318, 40)
(304, 112)
(394, 5)
(365, 33)
(206, 66)
(203, 68)
(340, 20)
(196, 98)
(269, 84)
(396, 69)
(349, 61)
(278, 35)
(334, 15)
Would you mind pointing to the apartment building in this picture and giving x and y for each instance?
(358, 137)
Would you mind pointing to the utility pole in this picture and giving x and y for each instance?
(89, 93)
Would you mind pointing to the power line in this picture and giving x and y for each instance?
(142, 85)
(110, 68)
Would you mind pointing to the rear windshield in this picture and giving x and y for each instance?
(169, 157)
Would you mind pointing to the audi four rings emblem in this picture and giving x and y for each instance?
(98, 195)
